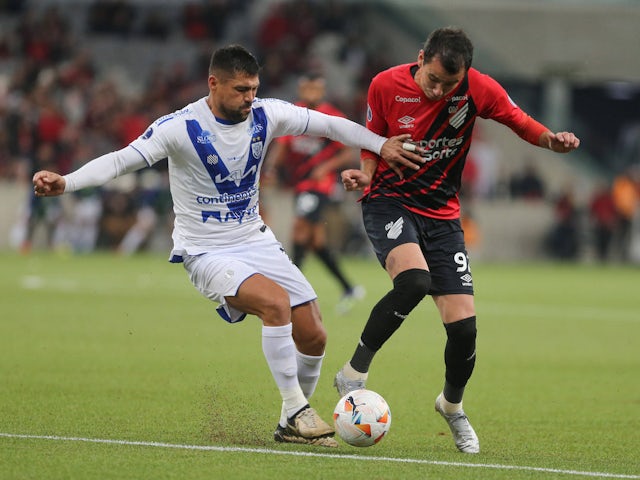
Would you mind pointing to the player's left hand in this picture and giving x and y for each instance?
(561, 142)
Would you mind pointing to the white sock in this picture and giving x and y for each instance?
(309, 367)
(352, 374)
(448, 407)
(280, 353)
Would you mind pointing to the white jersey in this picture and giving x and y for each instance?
(214, 169)
(214, 166)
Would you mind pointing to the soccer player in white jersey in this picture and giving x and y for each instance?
(215, 148)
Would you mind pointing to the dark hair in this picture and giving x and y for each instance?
(452, 46)
(233, 59)
(311, 77)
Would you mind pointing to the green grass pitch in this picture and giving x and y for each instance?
(116, 368)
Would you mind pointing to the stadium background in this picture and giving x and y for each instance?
(80, 78)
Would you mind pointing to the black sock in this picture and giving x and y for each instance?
(409, 288)
(459, 357)
(362, 358)
(299, 251)
(331, 263)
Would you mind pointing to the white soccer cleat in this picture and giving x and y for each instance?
(349, 299)
(345, 385)
(463, 433)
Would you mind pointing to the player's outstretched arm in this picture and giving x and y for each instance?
(92, 174)
(48, 184)
(561, 142)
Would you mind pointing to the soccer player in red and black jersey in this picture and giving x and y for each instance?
(412, 215)
(309, 165)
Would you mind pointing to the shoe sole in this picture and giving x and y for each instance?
(319, 441)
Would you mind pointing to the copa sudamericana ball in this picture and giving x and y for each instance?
(362, 418)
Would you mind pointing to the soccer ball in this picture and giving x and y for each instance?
(362, 418)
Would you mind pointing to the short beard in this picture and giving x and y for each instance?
(234, 116)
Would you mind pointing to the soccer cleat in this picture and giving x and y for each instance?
(349, 299)
(308, 428)
(344, 385)
(464, 436)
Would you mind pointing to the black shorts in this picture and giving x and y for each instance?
(389, 224)
(311, 206)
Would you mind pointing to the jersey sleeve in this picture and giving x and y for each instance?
(159, 140)
(102, 169)
(495, 103)
(344, 131)
(155, 144)
(376, 120)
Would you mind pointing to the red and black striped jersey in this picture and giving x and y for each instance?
(397, 105)
(304, 153)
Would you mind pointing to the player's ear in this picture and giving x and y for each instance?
(420, 58)
(213, 81)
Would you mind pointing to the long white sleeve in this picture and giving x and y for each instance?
(102, 169)
(344, 131)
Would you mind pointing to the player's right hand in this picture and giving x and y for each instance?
(48, 184)
(354, 179)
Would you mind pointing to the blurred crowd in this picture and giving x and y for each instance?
(59, 107)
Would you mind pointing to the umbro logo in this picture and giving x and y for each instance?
(467, 280)
(406, 122)
(394, 229)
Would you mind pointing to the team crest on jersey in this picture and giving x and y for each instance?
(212, 159)
(256, 147)
(458, 118)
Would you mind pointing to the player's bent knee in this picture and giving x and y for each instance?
(413, 284)
(464, 330)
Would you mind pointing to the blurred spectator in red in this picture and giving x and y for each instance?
(528, 184)
(275, 27)
(194, 24)
(563, 241)
(469, 179)
(131, 122)
(50, 124)
(602, 211)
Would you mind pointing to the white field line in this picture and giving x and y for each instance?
(213, 448)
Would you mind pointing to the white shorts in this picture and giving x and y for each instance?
(218, 274)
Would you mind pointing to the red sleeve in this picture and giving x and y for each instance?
(286, 141)
(376, 121)
(494, 102)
